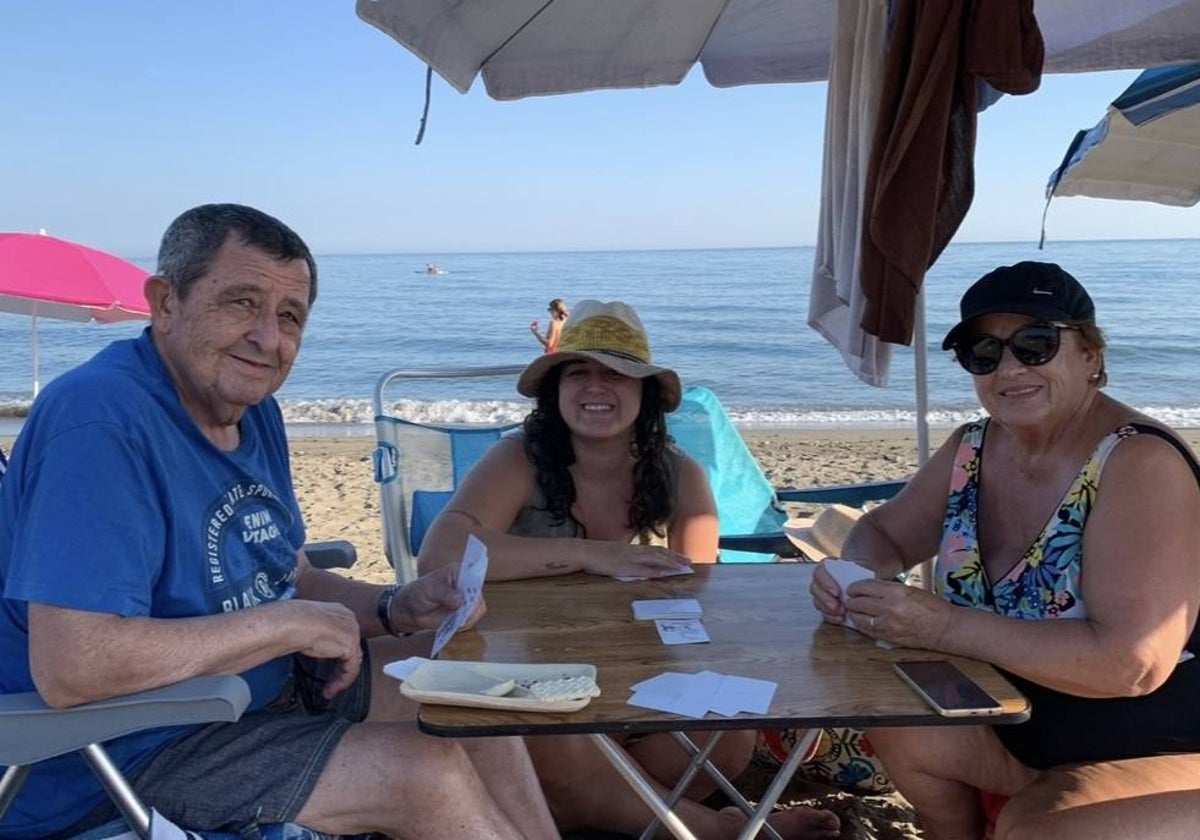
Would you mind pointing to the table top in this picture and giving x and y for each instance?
(762, 624)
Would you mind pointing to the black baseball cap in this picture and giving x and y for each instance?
(1037, 289)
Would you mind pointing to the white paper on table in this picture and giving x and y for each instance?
(681, 631)
(667, 608)
(689, 695)
(471, 573)
(743, 694)
(667, 680)
(686, 570)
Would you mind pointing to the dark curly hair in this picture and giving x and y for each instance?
(548, 447)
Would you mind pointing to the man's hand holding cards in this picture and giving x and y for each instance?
(471, 574)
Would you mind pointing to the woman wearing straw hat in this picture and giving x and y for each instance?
(1065, 531)
(593, 483)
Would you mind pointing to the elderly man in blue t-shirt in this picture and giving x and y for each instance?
(149, 532)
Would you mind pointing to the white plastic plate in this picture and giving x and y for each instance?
(477, 684)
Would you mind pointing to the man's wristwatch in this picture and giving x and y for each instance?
(383, 609)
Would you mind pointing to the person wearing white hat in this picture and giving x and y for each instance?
(594, 484)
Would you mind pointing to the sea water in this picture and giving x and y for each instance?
(733, 320)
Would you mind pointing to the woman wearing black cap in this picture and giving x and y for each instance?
(1065, 528)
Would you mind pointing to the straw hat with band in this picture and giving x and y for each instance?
(609, 333)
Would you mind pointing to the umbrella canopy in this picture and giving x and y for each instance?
(1147, 147)
(537, 47)
(44, 276)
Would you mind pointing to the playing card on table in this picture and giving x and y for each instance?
(471, 573)
(688, 631)
(686, 570)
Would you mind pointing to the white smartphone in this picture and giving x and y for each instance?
(948, 690)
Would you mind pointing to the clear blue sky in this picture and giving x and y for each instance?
(118, 115)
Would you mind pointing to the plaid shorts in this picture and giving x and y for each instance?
(260, 769)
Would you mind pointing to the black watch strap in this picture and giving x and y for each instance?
(383, 609)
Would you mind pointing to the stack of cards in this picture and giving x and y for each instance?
(677, 619)
(846, 572)
(695, 695)
(667, 608)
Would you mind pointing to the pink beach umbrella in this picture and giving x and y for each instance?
(43, 276)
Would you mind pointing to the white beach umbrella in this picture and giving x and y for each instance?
(536, 47)
(527, 48)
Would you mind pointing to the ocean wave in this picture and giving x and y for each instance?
(341, 416)
(491, 412)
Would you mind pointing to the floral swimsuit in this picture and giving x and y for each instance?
(1045, 584)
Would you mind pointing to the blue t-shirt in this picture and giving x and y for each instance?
(115, 502)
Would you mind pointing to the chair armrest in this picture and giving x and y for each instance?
(772, 543)
(331, 554)
(847, 494)
(31, 731)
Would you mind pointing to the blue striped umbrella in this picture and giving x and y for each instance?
(1147, 147)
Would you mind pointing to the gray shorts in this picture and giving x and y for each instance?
(258, 770)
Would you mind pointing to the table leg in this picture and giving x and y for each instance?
(641, 787)
(699, 759)
(759, 817)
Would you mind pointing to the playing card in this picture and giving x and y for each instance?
(471, 573)
(686, 570)
(846, 572)
(688, 631)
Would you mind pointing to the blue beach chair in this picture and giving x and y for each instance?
(418, 465)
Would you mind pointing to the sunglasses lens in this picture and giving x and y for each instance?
(1034, 346)
(979, 354)
(1031, 346)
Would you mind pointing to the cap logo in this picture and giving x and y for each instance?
(1038, 291)
(605, 334)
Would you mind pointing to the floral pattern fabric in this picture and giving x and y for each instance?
(841, 757)
(1044, 582)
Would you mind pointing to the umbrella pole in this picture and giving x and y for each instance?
(920, 359)
(34, 335)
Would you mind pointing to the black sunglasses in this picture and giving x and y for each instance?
(1034, 345)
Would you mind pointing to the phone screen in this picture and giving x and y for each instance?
(947, 689)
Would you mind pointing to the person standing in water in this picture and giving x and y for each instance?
(558, 317)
